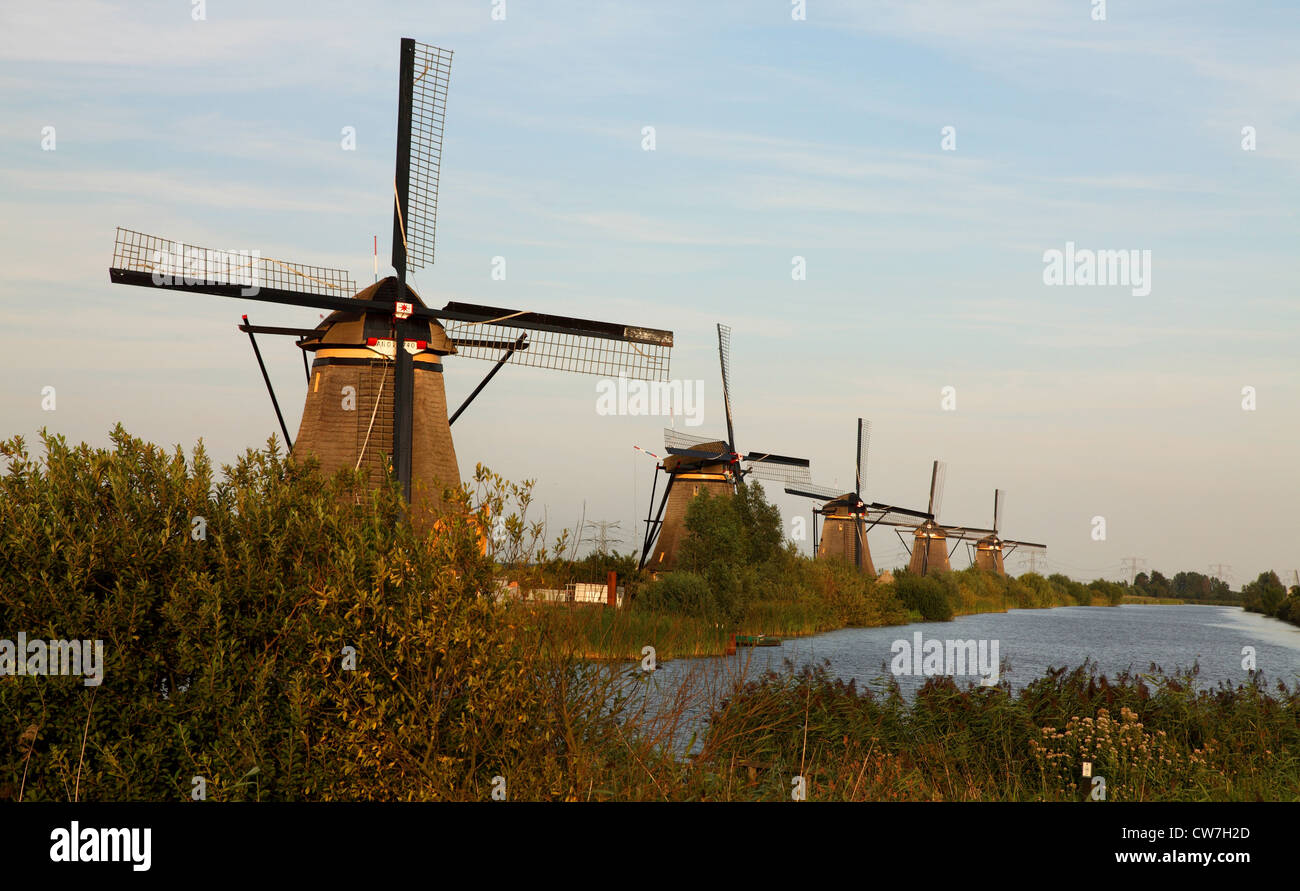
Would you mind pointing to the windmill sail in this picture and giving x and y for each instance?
(155, 262)
(864, 445)
(778, 468)
(421, 111)
(677, 439)
(813, 491)
(724, 358)
(559, 342)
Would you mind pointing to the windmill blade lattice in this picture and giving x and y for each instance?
(937, 477)
(676, 439)
(813, 491)
(965, 533)
(560, 342)
(154, 261)
(415, 219)
(864, 445)
(724, 357)
(1008, 543)
(888, 515)
(778, 468)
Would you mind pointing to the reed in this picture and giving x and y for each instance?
(1152, 737)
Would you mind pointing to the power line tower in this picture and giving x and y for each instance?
(1131, 566)
(602, 537)
(1032, 557)
(1221, 571)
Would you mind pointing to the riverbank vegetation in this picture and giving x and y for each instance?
(1150, 737)
(1267, 595)
(272, 635)
(736, 573)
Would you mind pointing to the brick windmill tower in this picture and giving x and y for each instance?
(847, 517)
(930, 539)
(376, 398)
(990, 549)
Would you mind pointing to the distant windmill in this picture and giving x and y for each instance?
(847, 516)
(990, 549)
(366, 405)
(697, 464)
(929, 549)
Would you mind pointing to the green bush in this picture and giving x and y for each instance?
(224, 638)
(926, 595)
(852, 598)
(1265, 594)
(683, 592)
(1112, 591)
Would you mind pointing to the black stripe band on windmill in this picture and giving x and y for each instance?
(699, 464)
(376, 339)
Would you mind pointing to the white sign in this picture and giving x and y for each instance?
(388, 346)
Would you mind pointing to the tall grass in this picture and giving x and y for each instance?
(1152, 737)
(596, 632)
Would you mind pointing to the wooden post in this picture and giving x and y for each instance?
(611, 596)
(731, 645)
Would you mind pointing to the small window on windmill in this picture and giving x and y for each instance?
(696, 491)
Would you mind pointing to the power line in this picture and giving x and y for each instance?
(1131, 565)
(602, 538)
(1221, 571)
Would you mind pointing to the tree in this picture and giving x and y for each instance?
(1265, 594)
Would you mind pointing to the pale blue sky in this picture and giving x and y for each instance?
(775, 138)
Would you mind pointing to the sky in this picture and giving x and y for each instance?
(777, 136)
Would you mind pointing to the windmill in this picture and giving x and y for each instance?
(929, 548)
(705, 464)
(375, 388)
(847, 518)
(990, 549)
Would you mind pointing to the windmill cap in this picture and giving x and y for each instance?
(372, 320)
(385, 291)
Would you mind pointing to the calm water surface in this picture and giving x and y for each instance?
(1029, 642)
